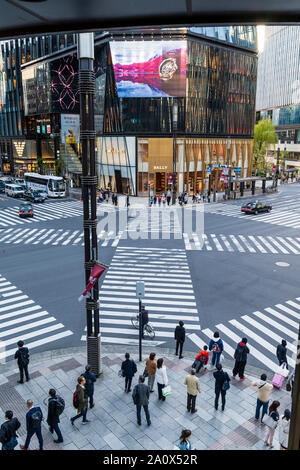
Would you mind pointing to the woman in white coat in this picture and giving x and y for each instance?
(284, 429)
(161, 378)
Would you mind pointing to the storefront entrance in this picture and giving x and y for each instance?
(160, 183)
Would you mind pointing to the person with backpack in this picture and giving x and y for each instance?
(179, 335)
(217, 347)
(56, 406)
(284, 429)
(140, 396)
(263, 395)
(8, 435)
(22, 356)
(193, 388)
(90, 379)
(34, 418)
(80, 401)
(128, 369)
(271, 422)
(281, 353)
(201, 359)
(240, 356)
(221, 385)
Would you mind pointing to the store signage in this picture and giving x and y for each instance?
(208, 170)
(70, 128)
(225, 171)
(237, 169)
(163, 168)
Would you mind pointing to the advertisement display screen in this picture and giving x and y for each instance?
(149, 69)
(70, 128)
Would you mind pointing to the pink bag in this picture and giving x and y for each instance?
(278, 380)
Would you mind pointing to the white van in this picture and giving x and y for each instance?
(14, 190)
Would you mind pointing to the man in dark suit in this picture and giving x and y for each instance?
(179, 335)
(90, 379)
(140, 396)
(22, 356)
(34, 417)
(220, 377)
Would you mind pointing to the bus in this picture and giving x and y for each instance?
(54, 186)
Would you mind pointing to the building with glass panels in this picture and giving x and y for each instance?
(278, 81)
(171, 105)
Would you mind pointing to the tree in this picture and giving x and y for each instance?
(264, 137)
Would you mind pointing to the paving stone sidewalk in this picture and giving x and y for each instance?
(113, 422)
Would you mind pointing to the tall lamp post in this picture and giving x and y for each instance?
(229, 167)
(85, 52)
(277, 167)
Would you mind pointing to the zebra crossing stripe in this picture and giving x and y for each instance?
(257, 244)
(216, 242)
(187, 241)
(196, 340)
(128, 341)
(35, 235)
(117, 239)
(293, 304)
(206, 243)
(21, 297)
(20, 312)
(13, 235)
(25, 327)
(258, 355)
(133, 294)
(268, 346)
(63, 235)
(6, 236)
(54, 235)
(43, 236)
(226, 243)
(15, 292)
(25, 235)
(244, 240)
(20, 304)
(66, 242)
(277, 325)
(126, 282)
(283, 318)
(294, 242)
(267, 331)
(237, 244)
(268, 245)
(288, 310)
(288, 245)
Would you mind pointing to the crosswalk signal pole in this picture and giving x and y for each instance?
(85, 51)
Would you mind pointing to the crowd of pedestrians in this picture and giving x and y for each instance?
(155, 370)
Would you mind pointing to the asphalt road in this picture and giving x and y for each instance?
(226, 286)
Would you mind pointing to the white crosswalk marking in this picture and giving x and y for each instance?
(263, 332)
(241, 243)
(166, 301)
(50, 210)
(15, 320)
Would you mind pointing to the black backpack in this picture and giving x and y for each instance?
(36, 419)
(60, 405)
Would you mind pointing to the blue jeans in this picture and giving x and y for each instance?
(260, 404)
(10, 445)
(30, 433)
(281, 361)
(83, 414)
(55, 428)
(215, 358)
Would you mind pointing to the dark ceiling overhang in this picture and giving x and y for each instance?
(20, 18)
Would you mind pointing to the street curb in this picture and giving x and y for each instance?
(119, 349)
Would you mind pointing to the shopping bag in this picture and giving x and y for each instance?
(282, 370)
(278, 381)
(166, 391)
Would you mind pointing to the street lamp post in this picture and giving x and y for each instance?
(284, 158)
(277, 167)
(85, 42)
(229, 167)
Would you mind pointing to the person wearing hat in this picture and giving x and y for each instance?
(179, 336)
(281, 353)
(90, 379)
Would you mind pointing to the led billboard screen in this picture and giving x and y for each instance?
(149, 68)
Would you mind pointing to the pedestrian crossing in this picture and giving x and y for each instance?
(169, 294)
(264, 330)
(9, 216)
(242, 243)
(285, 211)
(22, 318)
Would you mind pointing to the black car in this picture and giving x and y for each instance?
(255, 207)
(33, 196)
(25, 210)
(2, 187)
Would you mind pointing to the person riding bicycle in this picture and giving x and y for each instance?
(145, 319)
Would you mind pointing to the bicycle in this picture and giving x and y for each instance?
(148, 328)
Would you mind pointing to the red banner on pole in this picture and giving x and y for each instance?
(97, 271)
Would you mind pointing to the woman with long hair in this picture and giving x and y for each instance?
(185, 437)
(161, 378)
(284, 429)
(272, 422)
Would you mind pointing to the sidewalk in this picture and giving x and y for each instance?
(113, 419)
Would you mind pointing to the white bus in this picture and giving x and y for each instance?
(54, 186)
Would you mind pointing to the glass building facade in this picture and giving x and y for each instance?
(167, 103)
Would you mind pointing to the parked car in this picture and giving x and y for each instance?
(14, 190)
(33, 196)
(255, 207)
(25, 210)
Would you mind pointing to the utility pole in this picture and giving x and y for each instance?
(294, 433)
(229, 167)
(277, 167)
(85, 52)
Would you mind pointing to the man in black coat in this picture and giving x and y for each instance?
(8, 435)
(179, 335)
(53, 416)
(145, 318)
(140, 396)
(240, 356)
(281, 353)
(220, 377)
(34, 417)
(22, 356)
(90, 379)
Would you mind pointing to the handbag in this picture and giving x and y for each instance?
(268, 421)
(167, 391)
(145, 373)
(288, 387)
